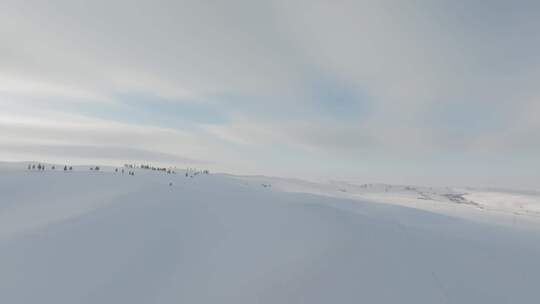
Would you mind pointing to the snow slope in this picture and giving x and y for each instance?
(517, 209)
(103, 237)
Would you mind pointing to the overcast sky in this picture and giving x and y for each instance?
(411, 92)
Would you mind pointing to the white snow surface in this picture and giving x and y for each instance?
(104, 237)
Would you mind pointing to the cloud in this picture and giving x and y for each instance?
(357, 83)
(109, 154)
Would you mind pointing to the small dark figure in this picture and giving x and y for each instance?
(170, 184)
(65, 168)
(52, 168)
(70, 168)
(122, 171)
(116, 170)
(29, 167)
(33, 167)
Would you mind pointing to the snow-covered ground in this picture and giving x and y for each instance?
(103, 237)
(518, 209)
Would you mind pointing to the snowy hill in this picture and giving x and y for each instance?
(496, 206)
(103, 237)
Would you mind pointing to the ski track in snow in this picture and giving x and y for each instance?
(100, 237)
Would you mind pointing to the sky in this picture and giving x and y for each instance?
(406, 92)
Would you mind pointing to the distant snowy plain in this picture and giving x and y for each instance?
(103, 237)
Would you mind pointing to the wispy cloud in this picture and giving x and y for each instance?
(302, 88)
